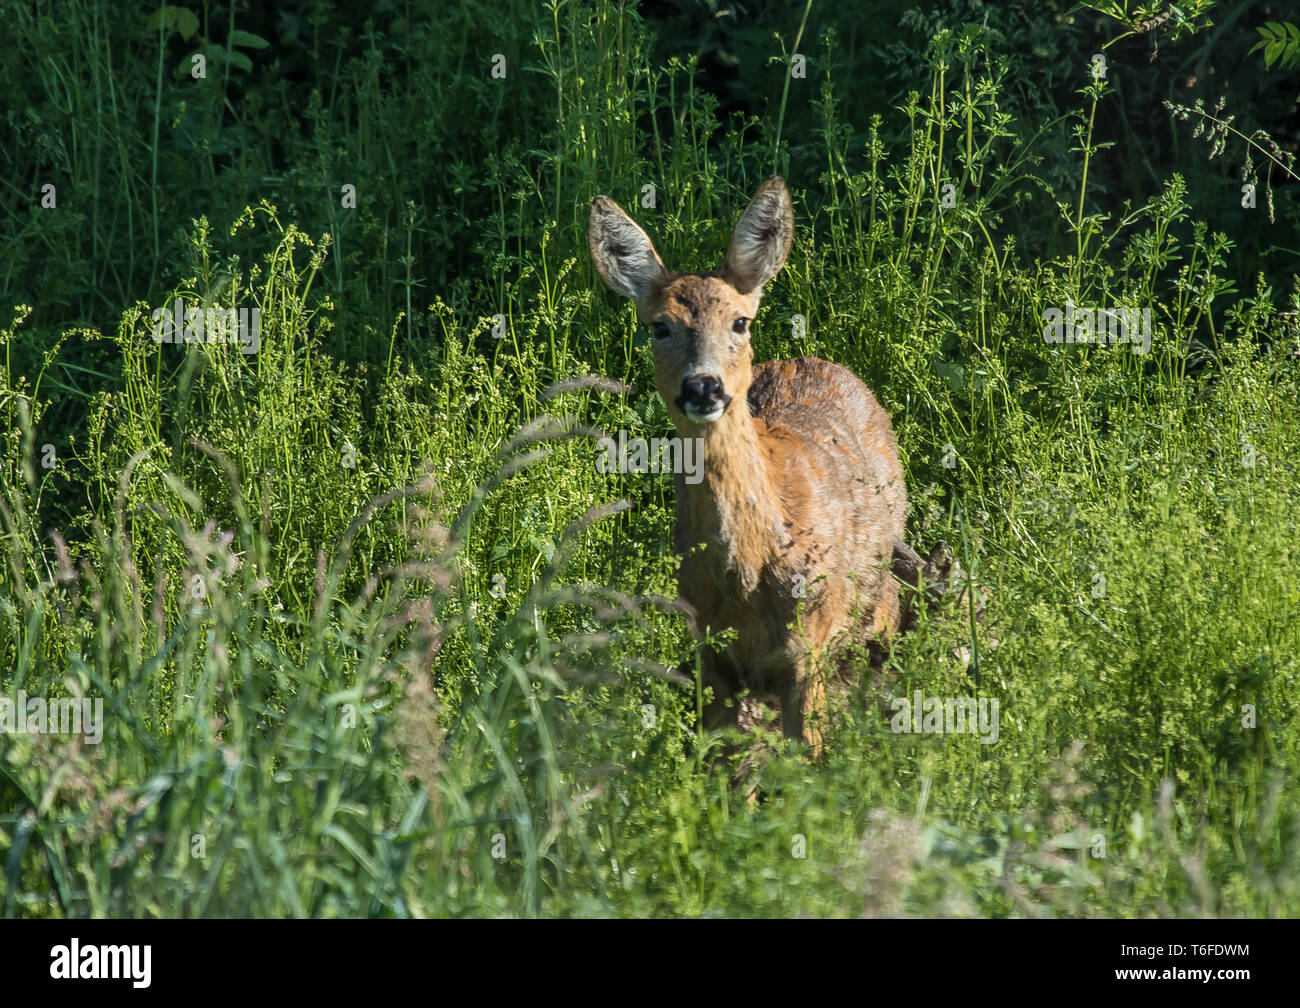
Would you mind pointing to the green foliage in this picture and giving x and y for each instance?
(1280, 41)
(375, 637)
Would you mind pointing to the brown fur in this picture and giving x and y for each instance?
(802, 485)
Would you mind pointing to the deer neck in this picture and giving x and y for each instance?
(734, 510)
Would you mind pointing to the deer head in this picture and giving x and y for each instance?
(699, 322)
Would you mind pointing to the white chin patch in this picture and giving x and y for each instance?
(703, 416)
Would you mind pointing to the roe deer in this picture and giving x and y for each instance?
(801, 474)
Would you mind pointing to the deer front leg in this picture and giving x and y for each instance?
(719, 674)
(803, 708)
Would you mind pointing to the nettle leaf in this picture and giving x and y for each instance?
(178, 19)
(218, 55)
(247, 39)
(1280, 41)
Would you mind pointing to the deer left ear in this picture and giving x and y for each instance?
(623, 254)
(762, 238)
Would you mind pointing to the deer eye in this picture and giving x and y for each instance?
(661, 330)
(740, 325)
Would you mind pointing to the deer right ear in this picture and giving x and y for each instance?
(623, 254)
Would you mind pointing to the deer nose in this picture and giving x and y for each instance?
(702, 394)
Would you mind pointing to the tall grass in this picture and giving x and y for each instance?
(378, 639)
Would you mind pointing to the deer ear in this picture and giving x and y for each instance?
(762, 238)
(623, 254)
